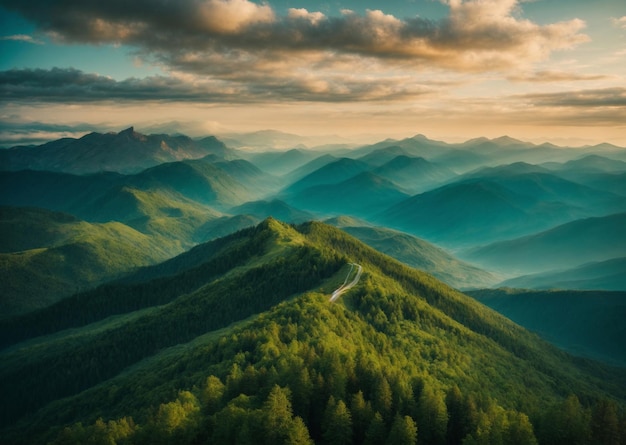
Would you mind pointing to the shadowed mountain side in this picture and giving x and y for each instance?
(331, 173)
(222, 226)
(384, 155)
(585, 323)
(127, 151)
(414, 174)
(48, 256)
(424, 256)
(276, 209)
(460, 161)
(564, 246)
(216, 183)
(212, 340)
(54, 191)
(197, 180)
(605, 181)
(281, 162)
(416, 146)
(603, 275)
(172, 200)
(591, 164)
(362, 195)
(544, 186)
(470, 213)
(308, 168)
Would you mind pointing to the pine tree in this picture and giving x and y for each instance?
(277, 414)
(298, 433)
(605, 423)
(376, 432)
(403, 431)
(338, 423)
(432, 417)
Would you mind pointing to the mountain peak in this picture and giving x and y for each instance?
(507, 140)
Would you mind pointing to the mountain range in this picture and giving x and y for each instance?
(150, 294)
(125, 152)
(568, 245)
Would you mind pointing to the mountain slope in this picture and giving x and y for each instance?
(587, 323)
(275, 208)
(424, 256)
(604, 275)
(281, 163)
(399, 344)
(414, 174)
(333, 173)
(47, 256)
(127, 151)
(364, 194)
(467, 212)
(170, 200)
(564, 246)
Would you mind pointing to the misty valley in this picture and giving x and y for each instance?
(161, 289)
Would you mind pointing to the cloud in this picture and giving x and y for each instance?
(619, 22)
(477, 35)
(239, 51)
(593, 98)
(22, 38)
(14, 132)
(554, 76)
(70, 85)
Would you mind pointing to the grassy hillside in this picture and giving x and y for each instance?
(47, 256)
(244, 347)
(586, 323)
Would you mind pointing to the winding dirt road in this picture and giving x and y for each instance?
(347, 286)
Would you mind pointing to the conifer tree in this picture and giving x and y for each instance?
(338, 423)
(403, 431)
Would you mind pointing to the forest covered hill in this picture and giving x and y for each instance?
(240, 342)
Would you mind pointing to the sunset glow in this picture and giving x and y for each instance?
(541, 70)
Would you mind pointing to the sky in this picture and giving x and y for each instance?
(537, 70)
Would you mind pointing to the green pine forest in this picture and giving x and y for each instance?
(236, 342)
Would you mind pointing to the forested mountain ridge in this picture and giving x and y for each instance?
(400, 357)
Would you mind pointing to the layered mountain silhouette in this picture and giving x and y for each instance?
(607, 275)
(126, 151)
(565, 246)
(150, 295)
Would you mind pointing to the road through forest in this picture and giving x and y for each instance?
(347, 286)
